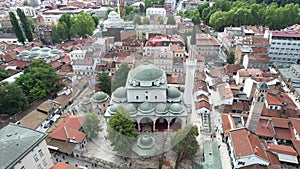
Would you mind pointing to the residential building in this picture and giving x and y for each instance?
(156, 12)
(47, 54)
(225, 93)
(284, 153)
(84, 66)
(246, 149)
(285, 47)
(163, 59)
(291, 77)
(257, 61)
(22, 147)
(77, 54)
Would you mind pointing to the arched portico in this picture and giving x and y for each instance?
(175, 124)
(161, 124)
(146, 124)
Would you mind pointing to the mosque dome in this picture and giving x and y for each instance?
(25, 53)
(36, 48)
(146, 107)
(44, 55)
(161, 108)
(146, 72)
(176, 108)
(34, 54)
(145, 141)
(130, 108)
(45, 49)
(120, 93)
(100, 97)
(55, 51)
(173, 92)
(113, 109)
(85, 101)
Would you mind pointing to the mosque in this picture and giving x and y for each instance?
(152, 104)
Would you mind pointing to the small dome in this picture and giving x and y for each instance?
(120, 93)
(146, 107)
(173, 92)
(36, 48)
(113, 109)
(146, 141)
(146, 72)
(55, 51)
(44, 55)
(34, 54)
(130, 108)
(263, 86)
(45, 49)
(176, 108)
(161, 108)
(100, 97)
(85, 101)
(25, 53)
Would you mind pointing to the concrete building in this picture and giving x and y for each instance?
(257, 106)
(285, 47)
(291, 77)
(23, 148)
(77, 54)
(84, 66)
(163, 59)
(257, 61)
(156, 12)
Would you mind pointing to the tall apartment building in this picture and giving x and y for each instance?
(285, 47)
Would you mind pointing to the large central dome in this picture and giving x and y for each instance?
(146, 72)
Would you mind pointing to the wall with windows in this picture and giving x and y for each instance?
(38, 158)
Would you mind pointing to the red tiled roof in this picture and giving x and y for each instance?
(242, 106)
(282, 133)
(18, 63)
(55, 64)
(68, 129)
(246, 144)
(290, 34)
(60, 165)
(226, 123)
(232, 68)
(202, 97)
(257, 40)
(264, 128)
(270, 112)
(272, 100)
(296, 144)
(280, 122)
(203, 103)
(273, 158)
(260, 49)
(248, 72)
(256, 57)
(281, 149)
(296, 124)
(66, 59)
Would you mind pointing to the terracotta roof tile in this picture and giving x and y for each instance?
(226, 123)
(273, 100)
(202, 97)
(18, 63)
(203, 103)
(282, 133)
(232, 68)
(273, 158)
(55, 64)
(256, 57)
(281, 149)
(246, 144)
(264, 128)
(270, 112)
(280, 122)
(259, 49)
(296, 144)
(296, 124)
(68, 129)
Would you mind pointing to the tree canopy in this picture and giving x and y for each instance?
(104, 83)
(121, 131)
(146, 21)
(26, 26)
(12, 99)
(137, 20)
(83, 25)
(39, 80)
(91, 125)
(120, 76)
(185, 143)
(16, 27)
(171, 20)
(230, 58)
(3, 74)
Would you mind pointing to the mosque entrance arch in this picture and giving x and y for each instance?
(175, 124)
(146, 124)
(161, 124)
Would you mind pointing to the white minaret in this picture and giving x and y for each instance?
(191, 64)
(257, 106)
(119, 12)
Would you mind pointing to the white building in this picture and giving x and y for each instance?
(163, 59)
(245, 149)
(156, 12)
(23, 148)
(84, 66)
(285, 47)
(225, 93)
(77, 54)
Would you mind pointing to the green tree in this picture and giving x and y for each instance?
(91, 125)
(67, 20)
(160, 20)
(121, 131)
(96, 20)
(31, 24)
(230, 58)
(16, 27)
(25, 25)
(146, 21)
(3, 74)
(185, 143)
(137, 20)
(104, 83)
(12, 99)
(25, 3)
(59, 32)
(39, 80)
(83, 25)
(142, 8)
(171, 20)
(120, 76)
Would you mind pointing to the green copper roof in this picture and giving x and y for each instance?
(44, 55)
(130, 108)
(25, 53)
(173, 92)
(120, 92)
(113, 109)
(176, 108)
(145, 146)
(45, 49)
(146, 72)
(161, 108)
(16, 142)
(36, 48)
(55, 51)
(100, 97)
(146, 107)
(85, 101)
(34, 54)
